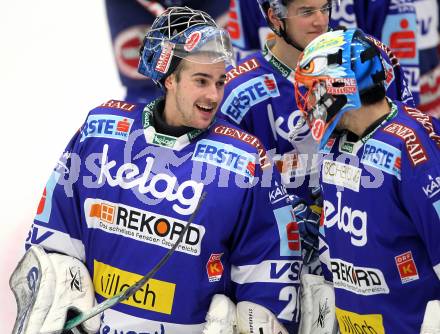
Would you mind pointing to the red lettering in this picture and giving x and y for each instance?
(233, 26)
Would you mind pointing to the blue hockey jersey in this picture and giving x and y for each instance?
(121, 194)
(382, 223)
(392, 22)
(260, 98)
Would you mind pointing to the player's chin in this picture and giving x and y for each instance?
(202, 121)
(204, 117)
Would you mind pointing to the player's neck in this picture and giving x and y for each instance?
(285, 52)
(359, 120)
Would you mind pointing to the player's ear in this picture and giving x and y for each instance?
(170, 81)
(274, 19)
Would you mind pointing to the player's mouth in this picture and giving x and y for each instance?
(206, 107)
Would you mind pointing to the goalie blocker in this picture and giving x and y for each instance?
(48, 288)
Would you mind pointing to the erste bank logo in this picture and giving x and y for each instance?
(225, 156)
(248, 94)
(106, 126)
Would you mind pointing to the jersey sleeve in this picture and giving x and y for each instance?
(421, 199)
(230, 108)
(56, 226)
(266, 251)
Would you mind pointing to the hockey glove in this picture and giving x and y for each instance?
(308, 224)
(224, 317)
(48, 288)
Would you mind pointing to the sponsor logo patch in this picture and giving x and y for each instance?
(225, 156)
(164, 140)
(121, 105)
(426, 121)
(245, 67)
(290, 244)
(359, 280)
(333, 86)
(144, 226)
(416, 151)
(45, 206)
(432, 188)
(339, 174)
(214, 267)
(328, 146)
(155, 295)
(407, 267)
(192, 40)
(164, 61)
(271, 271)
(278, 193)
(347, 220)
(248, 94)
(346, 146)
(351, 323)
(247, 138)
(38, 235)
(75, 279)
(106, 126)
(128, 176)
(382, 156)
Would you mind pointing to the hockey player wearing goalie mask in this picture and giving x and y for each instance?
(380, 185)
(259, 92)
(127, 186)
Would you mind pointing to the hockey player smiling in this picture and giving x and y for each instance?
(194, 92)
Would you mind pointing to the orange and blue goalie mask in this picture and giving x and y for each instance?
(331, 72)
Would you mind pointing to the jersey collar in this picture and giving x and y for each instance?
(155, 138)
(369, 132)
(277, 64)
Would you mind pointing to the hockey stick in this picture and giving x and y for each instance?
(131, 290)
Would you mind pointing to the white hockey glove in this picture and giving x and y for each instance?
(254, 318)
(431, 320)
(318, 311)
(221, 317)
(246, 318)
(47, 287)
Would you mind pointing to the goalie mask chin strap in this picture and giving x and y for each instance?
(282, 33)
